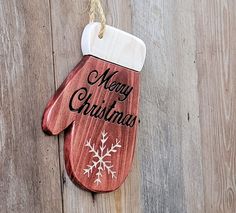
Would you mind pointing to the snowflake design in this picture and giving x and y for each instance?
(100, 154)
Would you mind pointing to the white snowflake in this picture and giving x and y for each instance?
(100, 154)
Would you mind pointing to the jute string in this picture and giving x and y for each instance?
(96, 10)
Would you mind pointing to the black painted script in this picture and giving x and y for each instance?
(107, 113)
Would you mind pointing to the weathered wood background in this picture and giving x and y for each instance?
(185, 158)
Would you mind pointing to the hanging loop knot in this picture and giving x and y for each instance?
(96, 9)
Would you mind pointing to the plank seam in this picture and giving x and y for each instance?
(54, 78)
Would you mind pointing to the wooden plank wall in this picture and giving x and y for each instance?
(185, 157)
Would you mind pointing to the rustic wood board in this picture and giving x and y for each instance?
(190, 151)
(29, 165)
(216, 65)
(185, 161)
(169, 137)
(67, 30)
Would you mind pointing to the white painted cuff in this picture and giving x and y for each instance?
(116, 46)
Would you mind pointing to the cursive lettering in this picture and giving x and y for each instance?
(105, 80)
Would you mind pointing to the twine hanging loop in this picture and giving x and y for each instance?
(96, 10)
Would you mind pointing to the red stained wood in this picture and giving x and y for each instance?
(89, 139)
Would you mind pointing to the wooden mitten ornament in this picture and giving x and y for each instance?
(97, 106)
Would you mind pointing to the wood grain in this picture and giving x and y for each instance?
(113, 45)
(29, 166)
(216, 51)
(97, 106)
(170, 145)
(186, 142)
(67, 30)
